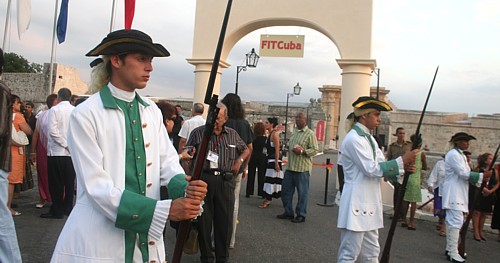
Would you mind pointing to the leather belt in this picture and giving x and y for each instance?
(215, 172)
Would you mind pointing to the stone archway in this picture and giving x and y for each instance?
(348, 24)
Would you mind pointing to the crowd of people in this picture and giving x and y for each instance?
(114, 151)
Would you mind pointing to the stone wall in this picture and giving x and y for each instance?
(437, 129)
(28, 86)
(35, 86)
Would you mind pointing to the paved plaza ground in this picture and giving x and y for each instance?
(261, 237)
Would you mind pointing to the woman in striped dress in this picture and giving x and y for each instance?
(274, 173)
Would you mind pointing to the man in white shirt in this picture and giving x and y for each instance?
(60, 167)
(196, 121)
(360, 210)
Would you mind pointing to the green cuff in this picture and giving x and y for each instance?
(135, 212)
(177, 186)
(390, 170)
(473, 177)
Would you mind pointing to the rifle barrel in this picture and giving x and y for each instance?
(397, 209)
(209, 127)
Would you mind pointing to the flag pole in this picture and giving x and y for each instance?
(113, 16)
(7, 20)
(52, 54)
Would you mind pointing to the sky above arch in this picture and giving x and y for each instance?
(410, 39)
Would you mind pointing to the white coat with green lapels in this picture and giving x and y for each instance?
(96, 139)
(364, 165)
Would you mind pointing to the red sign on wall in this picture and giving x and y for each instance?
(320, 131)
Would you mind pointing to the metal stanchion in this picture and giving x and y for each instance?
(326, 185)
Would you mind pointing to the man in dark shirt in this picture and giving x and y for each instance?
(226, 154)
(29, 115)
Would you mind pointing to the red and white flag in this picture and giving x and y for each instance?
(23, 16)
(129, 13)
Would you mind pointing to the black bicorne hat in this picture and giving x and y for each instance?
(461, 136)
(128, 41)
(366, 102)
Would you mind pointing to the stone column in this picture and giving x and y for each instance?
(330, 101)
(356, 75)
(201, 76)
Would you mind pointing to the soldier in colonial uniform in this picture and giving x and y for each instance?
(458, 175)
(122, 155)
(360, 211)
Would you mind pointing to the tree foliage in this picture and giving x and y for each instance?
(15, 63)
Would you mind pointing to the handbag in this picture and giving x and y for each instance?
(19, 138)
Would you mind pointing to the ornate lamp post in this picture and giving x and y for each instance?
(251, 62)
(296, 91)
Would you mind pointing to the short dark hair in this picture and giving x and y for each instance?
(29, 103)
(50, 100)
(64, 94)
(398, 129)
(198, 107)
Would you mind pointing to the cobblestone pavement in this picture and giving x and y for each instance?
(261, 237)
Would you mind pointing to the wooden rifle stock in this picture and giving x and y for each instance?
(426, 203)
(397, 209)
(213, 111)
(465, 225)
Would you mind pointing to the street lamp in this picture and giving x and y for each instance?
(296, 91)
(251, 62)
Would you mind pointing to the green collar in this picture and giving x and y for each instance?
(460, 151)
(109, 101)
(359, 131)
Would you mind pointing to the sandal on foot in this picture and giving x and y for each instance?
(15, 213)
(265, 204)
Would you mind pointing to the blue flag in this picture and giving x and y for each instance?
(62, 21)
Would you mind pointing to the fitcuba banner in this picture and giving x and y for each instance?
(282, 46)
